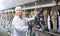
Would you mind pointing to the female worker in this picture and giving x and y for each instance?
(19, 23)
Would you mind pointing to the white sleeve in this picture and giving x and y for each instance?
(15, 24)
(28, 19)
(18, 27)
(25, 28)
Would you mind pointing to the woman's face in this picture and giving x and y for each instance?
(19, 12)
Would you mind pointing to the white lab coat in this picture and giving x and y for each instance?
(19, 25)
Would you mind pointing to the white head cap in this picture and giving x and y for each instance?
(18, 8)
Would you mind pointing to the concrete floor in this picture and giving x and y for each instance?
(3, 33)
(38, 33)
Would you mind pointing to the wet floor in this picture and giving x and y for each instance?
(3, 33)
